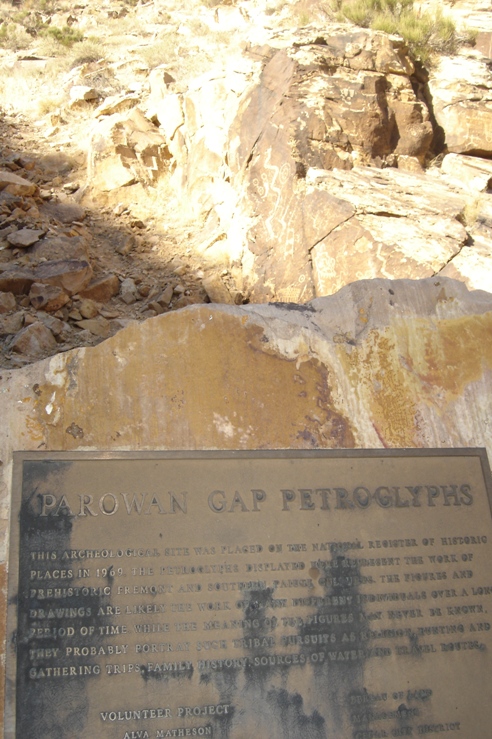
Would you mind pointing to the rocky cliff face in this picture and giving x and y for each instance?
(321, 178)
(268, 157)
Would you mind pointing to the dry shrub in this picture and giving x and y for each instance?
(425, 33)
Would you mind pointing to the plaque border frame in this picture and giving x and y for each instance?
(19, 457)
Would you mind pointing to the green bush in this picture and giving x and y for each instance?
(425, 33)
(15, 37)
(65, 36)
(386, 23)
(359, 12)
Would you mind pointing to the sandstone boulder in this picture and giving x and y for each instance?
(48, 297)
(473, 265)
(72, 275)
(381, 364)
(402, 224)
(34, 341)
(124, 149)
(16, 280)
(15, 185)
(25, 237)
(466, 171)
(102, 288)
(60, 247)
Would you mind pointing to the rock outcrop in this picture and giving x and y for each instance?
(311, 175)
(461, 91)
(125, 148)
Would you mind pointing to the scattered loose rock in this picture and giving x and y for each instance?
(24, 237)
(14, 185)
(11, 324)
(88, 308)
(97, 326)
(102, 288)
(166, 296)
(34, 341)
(48, 297)
(7, 302)
(129, 291)
(82, 94)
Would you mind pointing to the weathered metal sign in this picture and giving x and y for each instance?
(280, 595)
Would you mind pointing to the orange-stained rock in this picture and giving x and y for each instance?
(102, 288)
(381, 363)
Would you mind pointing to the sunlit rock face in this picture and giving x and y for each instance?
(461, 90)
(306, 161)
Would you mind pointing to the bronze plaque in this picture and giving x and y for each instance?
(274, 595)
